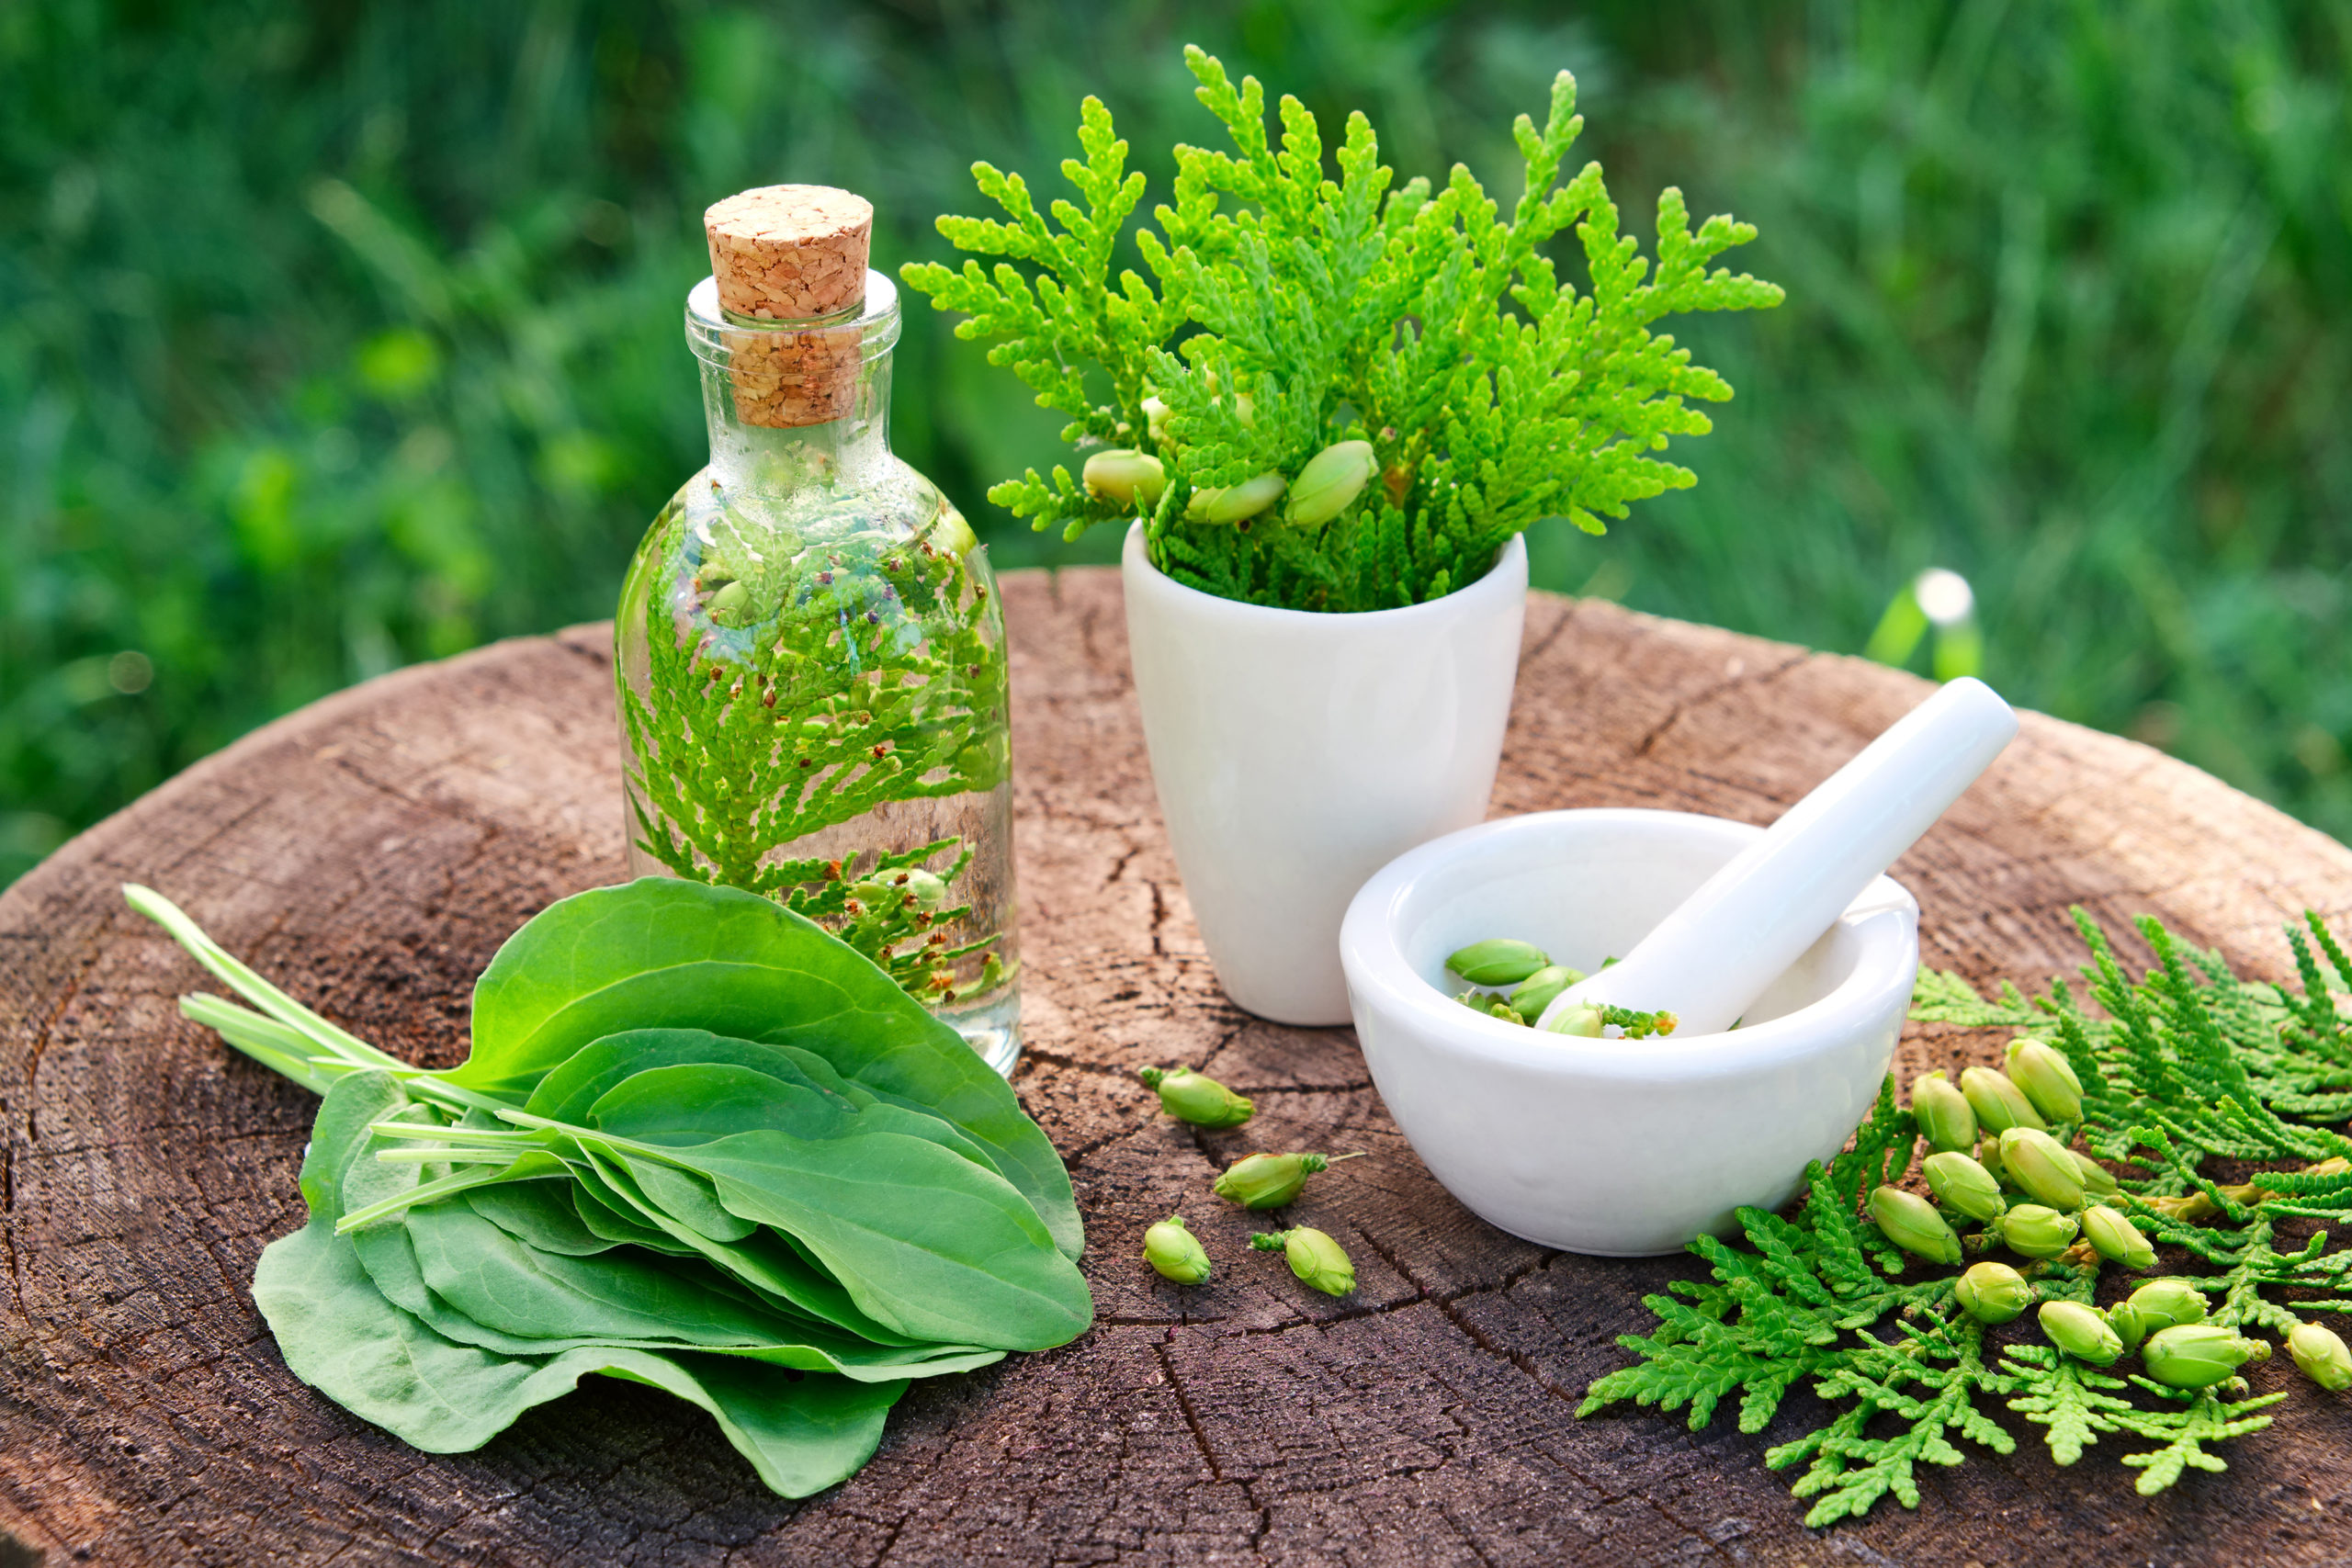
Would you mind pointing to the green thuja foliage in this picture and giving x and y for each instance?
(2187, 1068)
(1287, 311)
(866, 670)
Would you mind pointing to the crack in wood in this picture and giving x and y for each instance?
(1701, 699)
(1534, 653)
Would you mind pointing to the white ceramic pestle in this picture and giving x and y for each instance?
(1715, 954)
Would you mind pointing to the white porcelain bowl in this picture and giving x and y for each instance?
(1621, 1148)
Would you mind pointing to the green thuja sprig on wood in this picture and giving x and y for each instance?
(2077, 1403)
(1287, 311)
(2183, 1068)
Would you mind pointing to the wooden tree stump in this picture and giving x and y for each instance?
(370, 851)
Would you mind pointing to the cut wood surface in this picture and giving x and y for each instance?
(370, 851)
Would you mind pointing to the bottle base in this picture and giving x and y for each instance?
(991, 1028)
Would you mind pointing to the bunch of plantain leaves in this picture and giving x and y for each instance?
(699, 1143)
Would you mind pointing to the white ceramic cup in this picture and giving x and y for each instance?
(1614, 1147)
(1295, 753)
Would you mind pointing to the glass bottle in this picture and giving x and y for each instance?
(811, 650)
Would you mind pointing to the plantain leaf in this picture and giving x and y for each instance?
(801, 1432)
(683, 955)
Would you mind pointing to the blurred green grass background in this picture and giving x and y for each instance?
(334, 337)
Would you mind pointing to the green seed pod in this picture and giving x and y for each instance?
(1187, 1097)
(1155, 420)
(1963, 1185)
(2198, 1355)
(929, 890)
(2000, 1105)
(1245, 500)
(2166, 1303)
(876, 895)
(1312, 1256)
(1125, 477)
(1912, 1224)
(1175, 1252)
(1988, 1154)
(2039, 1166)
(2097, 1181)
(2080, 1331)
(1946, 1119)
(1498, 961)
(728, 607)
(1331, 479)
(2116, 1239)
(1533, 995)
(2037, 1232)
(2321, 1356)
(1267, 1181)
(2128, 1326)
(1992, 1293)
(2047, 1078)
(1586, 1022)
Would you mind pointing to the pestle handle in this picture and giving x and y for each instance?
(1709, 959)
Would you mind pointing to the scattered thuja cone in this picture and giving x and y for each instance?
(2198, 1355)
(1911, 1222)
(1268, 1181)
(1189, 1097)
(2167, 1303)
(1992, 1293)
(1331, 478)
(2321, 1356)
(2116, 1239)
(1174, 1252)
(2039, 1166)
(2128, 1326)
(1533, 995)
(1585, 1022)
(1315, 1258)
(1946, 1119)
(1125, 477)
(1988, 1154)
(2000, 1104)
(2046, 1079)
(1963, 1185)
(1497, 961)
(2097, 1181)
(2080, 1331)
(2034, 1230)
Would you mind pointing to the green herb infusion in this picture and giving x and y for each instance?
(811, 659)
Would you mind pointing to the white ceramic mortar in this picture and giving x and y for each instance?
(1613, 1147)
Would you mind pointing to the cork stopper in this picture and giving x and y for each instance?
(789, 253)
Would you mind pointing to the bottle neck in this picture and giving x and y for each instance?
(795, 403)
(759, 459)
